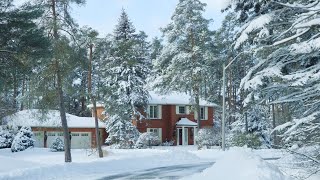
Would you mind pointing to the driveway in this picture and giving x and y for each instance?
(168, 172)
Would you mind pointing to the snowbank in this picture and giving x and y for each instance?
(243, 165)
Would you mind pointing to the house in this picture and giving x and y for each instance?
(47, 127)
(171, 117)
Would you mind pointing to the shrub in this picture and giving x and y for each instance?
(147, 139)
(250, 139)
(208, 137)
(23, 140)
(57, 145)
(7, 134)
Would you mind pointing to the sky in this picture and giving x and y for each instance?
(146, 15)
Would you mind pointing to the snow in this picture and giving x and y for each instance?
(174, 98)
(258, 23)
(244, 163)
(34, 118)
(185, 122)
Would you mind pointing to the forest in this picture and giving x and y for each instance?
(269, 50)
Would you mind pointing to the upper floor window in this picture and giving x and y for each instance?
(153, 111)
(203, 113)
(182, 109)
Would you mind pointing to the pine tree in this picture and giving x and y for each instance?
(23, 140)
(287, 61)
(125, 70)
(7, 135)
(185, 55)
(61, 30)
(122, 133)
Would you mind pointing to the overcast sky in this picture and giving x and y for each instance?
(146, 15)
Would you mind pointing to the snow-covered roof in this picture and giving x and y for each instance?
(35, 118)
(98, 105)
(175, 98)
(185, 122)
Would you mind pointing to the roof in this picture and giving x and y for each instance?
(174, 98)
(186, 122)
(97, 105)
(35, 118)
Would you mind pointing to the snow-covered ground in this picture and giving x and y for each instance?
(235, 164)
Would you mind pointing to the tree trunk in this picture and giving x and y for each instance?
(98, 141)
(66, 134)
(274, 125)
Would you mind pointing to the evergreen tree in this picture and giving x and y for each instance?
(122, 133)
(287, 60)
(57, 145)
(23, 140)
(185, 55)
(7, 135)
(61, 30)
(21, 42)
(125, 70)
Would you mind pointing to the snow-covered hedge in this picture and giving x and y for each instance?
(57, 145)
(208, 137)
(23, 140)
(7, 134)
(147, 139)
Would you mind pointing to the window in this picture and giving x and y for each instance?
(157, 131)
(203, 113)
(75, 134)
(51, 134)
(153, 112)
(84, 134)
(182, 110)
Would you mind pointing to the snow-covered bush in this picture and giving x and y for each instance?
(122, 133)
(249, 140)
(7, 134)
(208, 137)
(23, 140)
(57, 145)
(255, 132)
(168, 143)
(147, 139)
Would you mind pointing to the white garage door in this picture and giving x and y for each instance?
(51, 137)
(81, 140)
(39, 138)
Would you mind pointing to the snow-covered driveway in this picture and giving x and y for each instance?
(160, 163)
(167, 172)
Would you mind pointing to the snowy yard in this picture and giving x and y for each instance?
(40, 163)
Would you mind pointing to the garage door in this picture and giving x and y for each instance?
(39, 138)
(51, 137)
(81, 140)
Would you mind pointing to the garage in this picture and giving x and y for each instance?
(52, 136)
(39, 138)
(46, 131)
(80, 140)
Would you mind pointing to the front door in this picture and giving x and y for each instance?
(186, 137)
(182, 138)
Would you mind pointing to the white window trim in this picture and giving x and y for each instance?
(159, 107)
(185, 109)
(205, 113)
